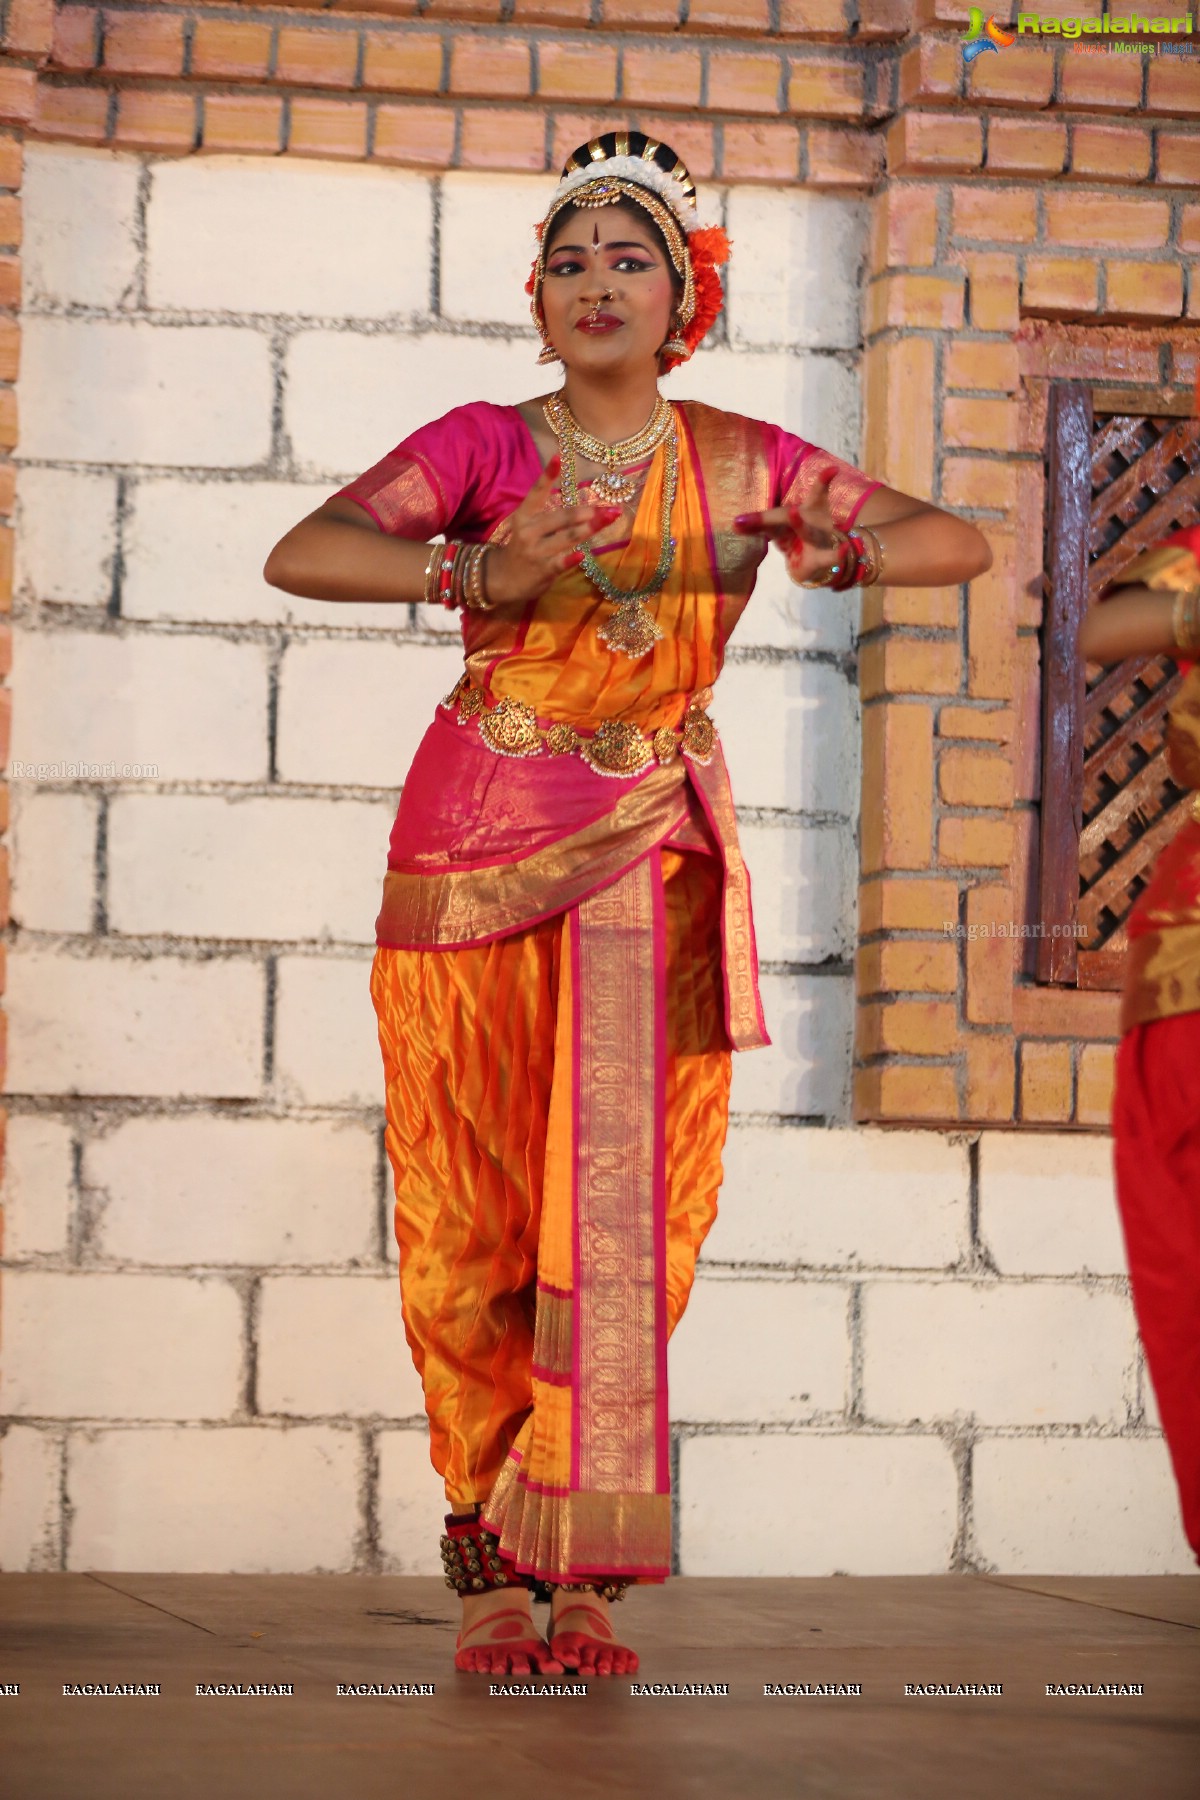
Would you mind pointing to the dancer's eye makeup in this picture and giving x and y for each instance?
(567, 259)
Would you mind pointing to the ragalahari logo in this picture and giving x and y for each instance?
(981, 37)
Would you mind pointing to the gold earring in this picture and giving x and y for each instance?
(548, 354)
(675, 345)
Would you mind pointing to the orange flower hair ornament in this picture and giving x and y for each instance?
(625, 166)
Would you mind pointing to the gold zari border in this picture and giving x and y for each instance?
(437, 908)
(569, 1535)
(1162, 975)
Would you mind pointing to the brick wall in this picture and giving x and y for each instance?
(199, 1309)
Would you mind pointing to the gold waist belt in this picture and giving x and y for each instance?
(611, 747)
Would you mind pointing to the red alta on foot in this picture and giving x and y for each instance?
(590, 1655)
(508, 1649)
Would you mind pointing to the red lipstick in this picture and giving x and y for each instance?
(599, 323)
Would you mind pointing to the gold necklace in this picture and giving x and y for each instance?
(612, 484)
(631, 630)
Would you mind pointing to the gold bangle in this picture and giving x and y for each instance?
(474, 583)
(874, 570)
(431, 569)
(1185, 620)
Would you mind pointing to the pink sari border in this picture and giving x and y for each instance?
(662, 1429)
(576, 1056)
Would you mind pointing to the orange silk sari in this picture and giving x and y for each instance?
(565, 960)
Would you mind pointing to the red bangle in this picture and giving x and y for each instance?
(849, 566)
(446, 575)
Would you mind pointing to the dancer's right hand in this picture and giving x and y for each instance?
(542, 541)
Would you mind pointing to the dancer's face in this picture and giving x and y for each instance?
(612, 251)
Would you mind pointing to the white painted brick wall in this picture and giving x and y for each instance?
(787, 733)
(804, 881)
(120, 391)
(354, 713)
(1047, 1206)
(213, 867)
(785, 1352)
(244, 1501)
(784, 287)
(803, 1073)
(53, 858)
(200, 370)
(111, 1026)
(488, 244)
(1010, 1353)
(270, 1193)
(1094, 1505)
(93, 1346)
(66, 535)
(412, 1504)
(80, 220)
(247, 235)
(326, 1035)
(841, 1199)
(36, 1193)
(195, 550)
(350, 397)
(334, 1345)
(31, 1512)
(816, 1503)
(782, 616)
(194, 708)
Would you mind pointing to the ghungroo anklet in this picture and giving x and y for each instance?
(611, 1587)
(471, 1558)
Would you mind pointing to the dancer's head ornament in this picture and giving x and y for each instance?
(628, 166)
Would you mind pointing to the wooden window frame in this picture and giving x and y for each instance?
(1072, 580)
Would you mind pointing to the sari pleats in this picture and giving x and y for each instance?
(480, 1138)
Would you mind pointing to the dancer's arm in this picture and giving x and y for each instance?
(923, 545)
(1133, 621)
(339, 552)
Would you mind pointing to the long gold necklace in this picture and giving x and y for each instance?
(612, 484)
(631, 630)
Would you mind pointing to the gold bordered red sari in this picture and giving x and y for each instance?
(569, 809)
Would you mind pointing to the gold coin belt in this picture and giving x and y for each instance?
(615, 747)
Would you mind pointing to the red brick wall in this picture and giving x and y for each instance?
(1027, 209)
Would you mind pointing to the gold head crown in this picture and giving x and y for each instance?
(627, 165)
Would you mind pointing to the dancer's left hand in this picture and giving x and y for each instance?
(803, 533)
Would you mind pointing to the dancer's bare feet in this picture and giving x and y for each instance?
(499, 1637)
(582, 1637)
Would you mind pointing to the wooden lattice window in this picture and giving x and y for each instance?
(1119, 481)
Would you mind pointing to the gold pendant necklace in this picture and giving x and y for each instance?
(630, 630)
(612, 485)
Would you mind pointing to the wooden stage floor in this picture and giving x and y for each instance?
(1023, 1634)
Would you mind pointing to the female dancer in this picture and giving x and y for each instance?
(565, 948)
(1156, 1106)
